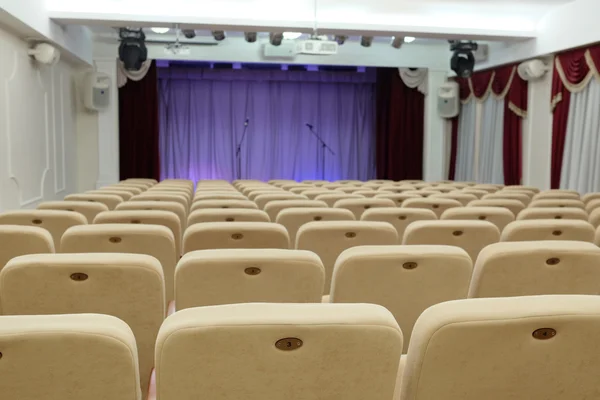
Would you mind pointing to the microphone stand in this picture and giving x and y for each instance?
(323, 147)
(238, 151)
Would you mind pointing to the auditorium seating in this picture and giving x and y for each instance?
(463, 198)
(124, 188)
(508, 195)
(498, 216)
(219, 196)
(435, 204)
(475, 192)
(399, 218)
(471, 236)
(170, 206)
(214, 277)
(536, 347)
(235, 235)
(334, 197)
(553, 213)
(18, 240)
(397, 198)
(358, 206)
(275, 351)
(404, 279)
(110, 200)
(557, 194)
(227, 215)
(130, 287)
(175, 198)
(515, 206)
(273, 208)
(67, 357)
(557, 203)
(293, 218)
(548, 229)
(123, 194)
(88, 209)
(153, 240)
(54, 221)
(535, 268)
(329, 239)
(201, 204)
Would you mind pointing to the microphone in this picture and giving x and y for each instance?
(246, 122)
(309, 126)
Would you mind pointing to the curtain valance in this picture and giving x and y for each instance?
(414, 78)
(573, 71)
(124, 75)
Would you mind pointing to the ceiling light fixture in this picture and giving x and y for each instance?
(161, 30)
(275, 38)
(219, 35)
(366, 41)
(250, 37)
(341, 39)
(463, 60)
(291, 35)
(397, 42)
(132, 50)
(409, 39)
(189, 33)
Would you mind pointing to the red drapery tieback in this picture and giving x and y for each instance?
(505, 83)
(572, 72)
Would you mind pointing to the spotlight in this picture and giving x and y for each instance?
(189, 33)
(132, 50)
(341, 39)
(366, 41)
(397, 42)
(463, 60)
(219, 35)
(275, 38)
(250, 37)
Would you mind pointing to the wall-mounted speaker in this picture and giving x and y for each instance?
(96, 91)
(448, 100)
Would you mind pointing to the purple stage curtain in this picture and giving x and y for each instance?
(202, 114)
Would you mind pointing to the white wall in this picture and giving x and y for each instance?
(38, 123)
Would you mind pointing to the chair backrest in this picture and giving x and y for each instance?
(235, 235)
(151, 196)
(397, 198)
(296, 351)
(497, 349)
(313, 193)
(227, 215)
(404, 279)
(557, 194)
(219, 196)
(531, 189)
(359, 206)
(509, 195)
(147, 217)
(471, 236)
(395, 189)
(475, 192)
(171, 206)
(110, 200)
(535, 268)
(18, 240)
(590, 196)
(68, 357)
(123, 194)
(130, 287)
(515, 206)
(56, 222)
(213, 277)
(262, 200)
(557, 203)
(273, 208)
(211, 204)
(548, 229)
(293, 218)
(498, 216)
(435, 204)
(463, 198)
(334, 197)
(329, 239)
(88, 209)
(253, 193)
(553, 213)
(125, 188)
(400, 218)
(154, 240)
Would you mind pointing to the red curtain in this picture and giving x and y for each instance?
(139, 127)
(502, 81)
(570, 68)
(453, 149)
(400, 127)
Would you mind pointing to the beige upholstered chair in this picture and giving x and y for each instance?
(149, 217)
(557, 203)
(499, 348)
(522, 188)
(273, 208)
(557, 194)
(329, 239)
(123, 194)
(359, 206)
(231, 195)
(400, 218)
(592, 205)
(213, 277)
(404, 279)
(397, 198)
(125, 188)
(151, 181)
(463, 198)
(172, 190)
(153, 196)
(313, 193)
(293, 218)
(18, 240)
(509, 195)
(498, 216)
(365, 192)
(590, 196)
(594, 218)
(334, 197)
(553, 213)
(130, 287)
(87, 209)
(110, 200)
(56, 222)
(534, 268)
(138, 185)
(548, 229)
(227, 215)
(435, 204)
(153, 240)
(235, 235)
(471, 236)
(396, 189)
(171, 206)
(68, 357)
(317, 182)
(205, 204)
(349, 189)
(423, 192)
(490, 188)
(275, 351)
(515, 206)
(262, 200)
(253, 192)
(475, 192)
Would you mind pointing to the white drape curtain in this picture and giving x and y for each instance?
(124, 75)
(581, 157)
(489, 157)
(466, 142)
(415, 78)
